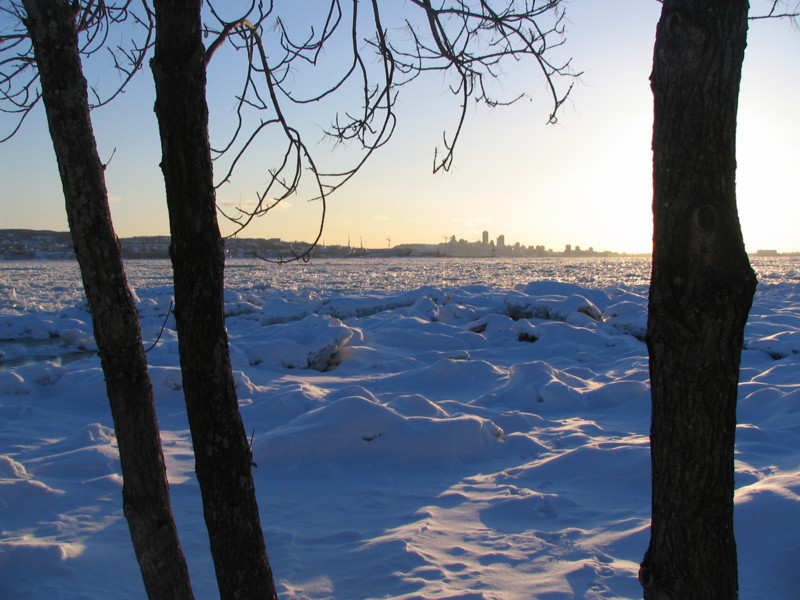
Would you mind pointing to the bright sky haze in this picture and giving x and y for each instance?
(584, 181)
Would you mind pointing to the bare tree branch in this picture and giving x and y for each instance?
(94, 21)
(378, 50)
(777, 11)
(351, 58)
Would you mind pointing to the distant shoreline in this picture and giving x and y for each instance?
(28, 244)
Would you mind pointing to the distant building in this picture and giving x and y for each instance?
(485, 238)
(501, 241)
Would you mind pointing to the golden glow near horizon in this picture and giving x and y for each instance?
(585, 181)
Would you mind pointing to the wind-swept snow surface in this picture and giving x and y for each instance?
(428, 442)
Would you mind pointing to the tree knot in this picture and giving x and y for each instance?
(653, 590)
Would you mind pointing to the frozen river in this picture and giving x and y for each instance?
(423, 428)
(49, 284)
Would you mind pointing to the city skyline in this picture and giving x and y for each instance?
(25, 244)
(586, 179)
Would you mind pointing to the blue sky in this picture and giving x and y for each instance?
(584, 181)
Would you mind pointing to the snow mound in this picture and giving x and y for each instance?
(550, 307)
(13, 384)
(778, 345)
(41, 558)
(311, 343)
(359, 428)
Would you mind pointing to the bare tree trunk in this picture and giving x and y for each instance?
(701, 291)
(223, 460)
(116, 324)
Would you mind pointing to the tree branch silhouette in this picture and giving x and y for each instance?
(380, 50)
(94, 21)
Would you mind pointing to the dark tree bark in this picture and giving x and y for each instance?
(223, 459)
(700, 294)
(145, 489)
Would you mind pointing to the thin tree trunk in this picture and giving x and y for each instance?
(223, 460)
(145, 489)
(701, 291)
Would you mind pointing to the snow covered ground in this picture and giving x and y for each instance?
(416, 435)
